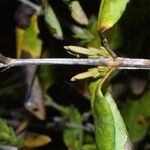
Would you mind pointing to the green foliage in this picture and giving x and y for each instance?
(93, 53)
(110, 129)
(31, 41)
(33, 140)
(77, 12)
(28, 41)
(52, 20)
(88, 35)
(7, 135)
(92, 72)
(128, 34)
(110, 12)
(136, 114)
(73, 138)
(90, 52)
(89, 147)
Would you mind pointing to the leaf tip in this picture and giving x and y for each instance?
(73, 79)
(66, 47)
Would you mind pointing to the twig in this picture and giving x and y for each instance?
(106, 45)
(36, 7)
(88, 127)
(119, 62)
(59, 123)
(50, 102)
(7, 147)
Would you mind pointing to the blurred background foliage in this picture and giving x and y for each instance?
(40, 107)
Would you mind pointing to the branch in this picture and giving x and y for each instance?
(8, 147)
(119, 62)
(58, 123)
(34, 6)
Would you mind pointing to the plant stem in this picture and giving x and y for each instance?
(106, 45)
(36, 7)
(119, 62)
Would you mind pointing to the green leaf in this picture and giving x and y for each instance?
(95, 42)
(96, 72)
(33, 140)
(136, 114)
(89, 147)
(105, 74)
(110, 12)
(52, 20)
(88, 35)
(7, 135)
(28, 41)
(84, 34)
(77, 12)
(73, 138)
(110, 129)
(90, 52)
(93, 84)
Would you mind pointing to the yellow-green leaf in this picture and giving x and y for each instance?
(89, 147)
(90, 52)
(96, 72)
(110, 12)
(33, 140)
(87, 74)
(27, 40)
(77, 12)
(52, 20)
(7, 135)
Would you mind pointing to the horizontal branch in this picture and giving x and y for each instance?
(8, 147)
(119, 62)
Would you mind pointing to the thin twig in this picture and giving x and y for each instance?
(36, 7)
(49, 102)
(106, 45)
(60, 121)
(119, 62)
(8, 147)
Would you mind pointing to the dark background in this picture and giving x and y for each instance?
(135, 26)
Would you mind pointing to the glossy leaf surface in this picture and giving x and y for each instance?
(110, 130)
(110, 12)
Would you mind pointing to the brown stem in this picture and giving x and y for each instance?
(106, 45)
